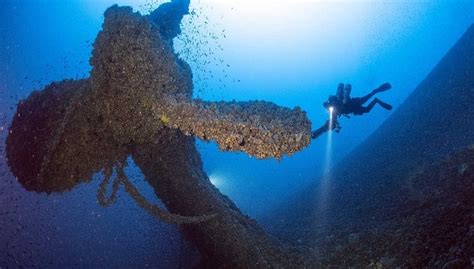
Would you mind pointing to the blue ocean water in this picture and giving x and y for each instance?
(293, 53)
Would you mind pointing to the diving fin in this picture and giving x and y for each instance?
(384, 105)
(384, 87)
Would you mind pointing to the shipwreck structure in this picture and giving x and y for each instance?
(138, 102)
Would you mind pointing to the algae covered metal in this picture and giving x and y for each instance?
(138, 101)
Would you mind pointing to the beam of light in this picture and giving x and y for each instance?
(328, 155)
(321, 206)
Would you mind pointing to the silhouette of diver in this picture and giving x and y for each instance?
(343, 104)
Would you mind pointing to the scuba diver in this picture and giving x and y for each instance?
(343, 104)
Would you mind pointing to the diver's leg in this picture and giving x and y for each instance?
(381, 88)
(363, 100)
(368, 108)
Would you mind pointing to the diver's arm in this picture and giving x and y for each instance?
(321, 130)
(328, 126)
